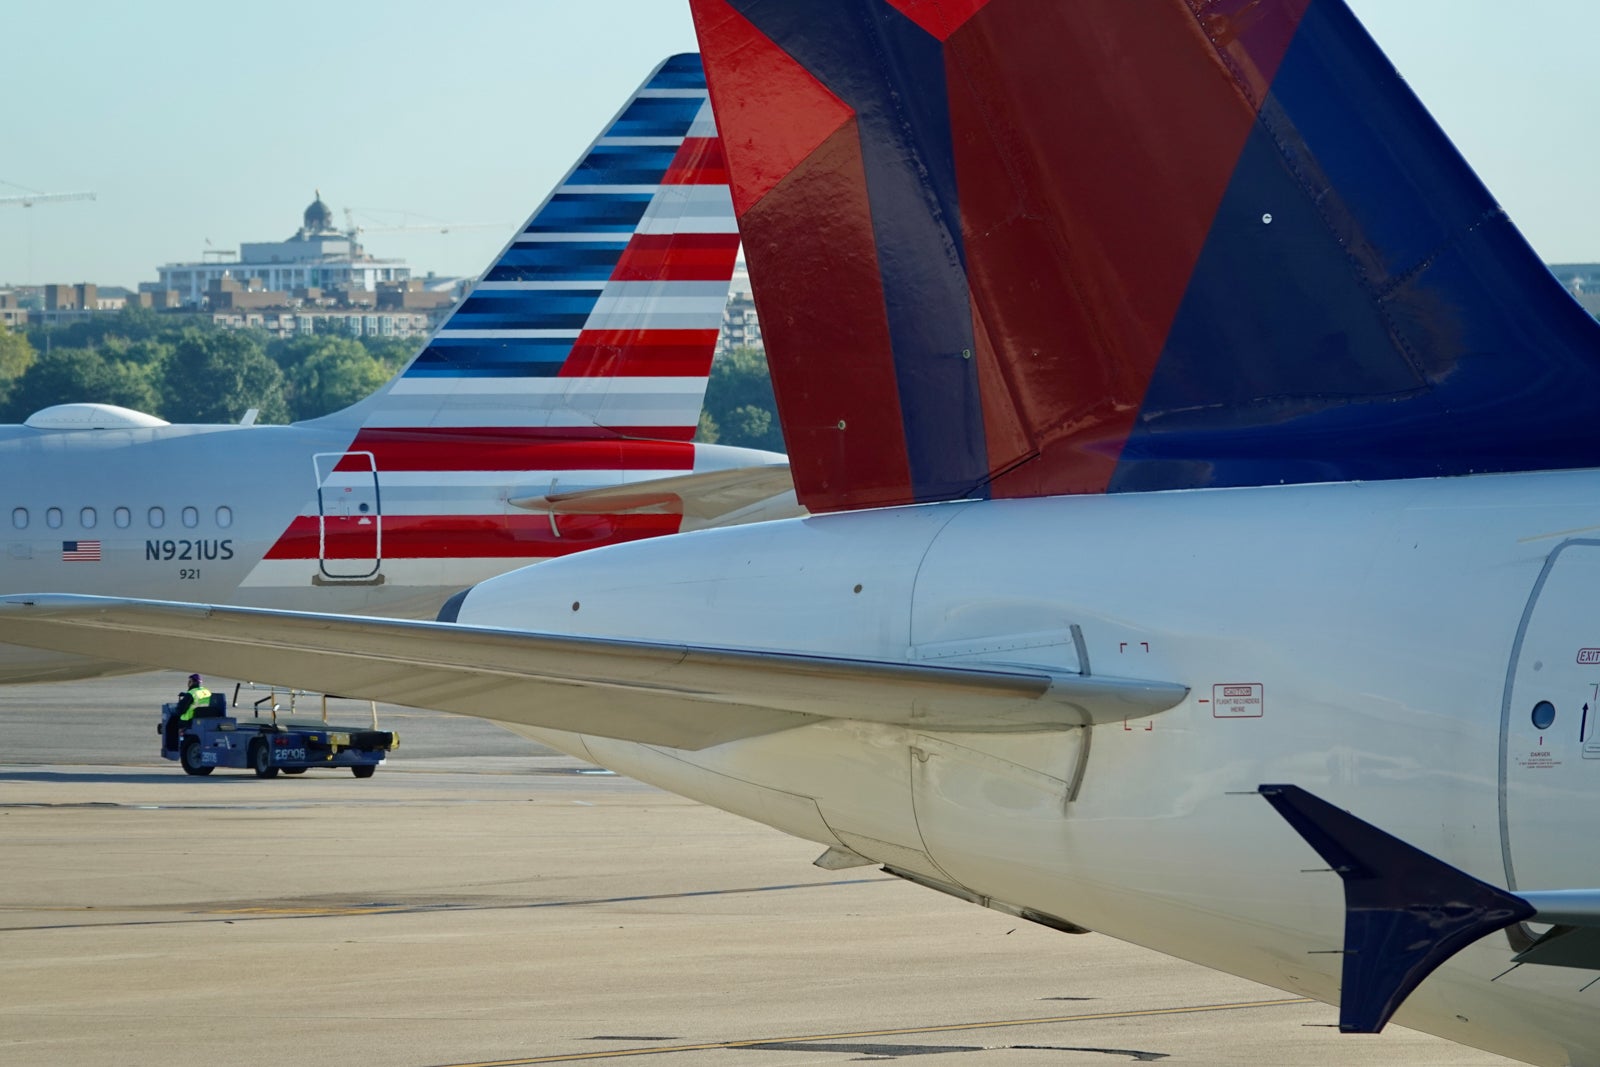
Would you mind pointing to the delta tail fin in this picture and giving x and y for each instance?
(600, 317)
(1008, 248)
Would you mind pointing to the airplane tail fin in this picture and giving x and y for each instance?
(600, 317)
(1008, 248)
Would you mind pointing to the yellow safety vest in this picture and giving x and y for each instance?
(200, 697)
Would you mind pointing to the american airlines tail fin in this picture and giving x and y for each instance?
(1018, 248)
(601, 316)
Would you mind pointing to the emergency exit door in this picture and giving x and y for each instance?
(349, 515)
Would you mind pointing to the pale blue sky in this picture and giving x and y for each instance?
(195, 121)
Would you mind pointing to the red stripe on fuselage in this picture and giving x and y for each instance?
(641, 353)
(527, 450)
(520, 536)
(678, 257)
(699, 162)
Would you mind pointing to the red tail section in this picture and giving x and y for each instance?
(1021, 247)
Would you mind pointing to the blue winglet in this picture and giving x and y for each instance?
(1406, 912)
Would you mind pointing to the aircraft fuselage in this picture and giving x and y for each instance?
(308, 516)
(1384, 645)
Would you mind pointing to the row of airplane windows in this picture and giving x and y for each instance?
(122, 518)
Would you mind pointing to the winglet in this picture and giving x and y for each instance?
(1406, 912)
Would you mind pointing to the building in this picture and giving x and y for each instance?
(12, 314)
(73, 303)
(1582, 280)
(318, 256)
(741, 328)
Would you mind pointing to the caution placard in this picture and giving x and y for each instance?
(1238, 700)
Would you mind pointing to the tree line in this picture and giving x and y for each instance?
(187, 370)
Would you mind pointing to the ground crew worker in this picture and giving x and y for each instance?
(196, 696)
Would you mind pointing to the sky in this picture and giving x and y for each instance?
(206, 125)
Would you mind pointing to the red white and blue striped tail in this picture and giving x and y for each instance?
(600, 317)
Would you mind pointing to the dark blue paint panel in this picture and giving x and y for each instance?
(579, 261)
(513, 301)
(510, 358)
(1388, 322)
(579, 212)
(1386, 175)
(519, 309)
(680, 72)
(500, 369)
(657, 117)
(624, 165)
(892, 74)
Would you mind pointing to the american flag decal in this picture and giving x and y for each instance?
(80, 551)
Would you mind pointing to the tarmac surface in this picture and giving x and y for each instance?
(482, 900)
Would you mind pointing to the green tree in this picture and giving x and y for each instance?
(16, 356)
(217, 375)
(130, 324)
(145, 352)
(753, 427)
(740, 404)
(336, 374)
(393, 352)
(289, 352)
(80, 375)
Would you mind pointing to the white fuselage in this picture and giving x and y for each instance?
(1379, 644)
(302, 517)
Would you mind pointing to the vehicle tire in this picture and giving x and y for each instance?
(189, 756)
(366, 770)
(292, 770)
(261, 760)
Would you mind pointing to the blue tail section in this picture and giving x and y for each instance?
(1362, 308)
(1204, 243)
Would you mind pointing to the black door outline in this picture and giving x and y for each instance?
(334, 502)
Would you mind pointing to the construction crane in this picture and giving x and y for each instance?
(354, 229)
(29, 199)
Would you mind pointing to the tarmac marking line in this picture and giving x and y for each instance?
(258, 913)
(661, 1050)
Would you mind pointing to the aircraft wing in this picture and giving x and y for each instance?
(675, 695)
(714, 498)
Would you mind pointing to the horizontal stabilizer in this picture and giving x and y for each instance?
(1406, 912)
(654, 693)
(1574, 940)
(715, 498)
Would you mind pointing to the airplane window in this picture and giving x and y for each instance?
(158, 518)
(52, 518)
(87, 518)
(19, 518)
(191, 517)
(224, 516)
(1544, 713)
(122, 517)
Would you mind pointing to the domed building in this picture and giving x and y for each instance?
(319, 256)
(318, 219)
